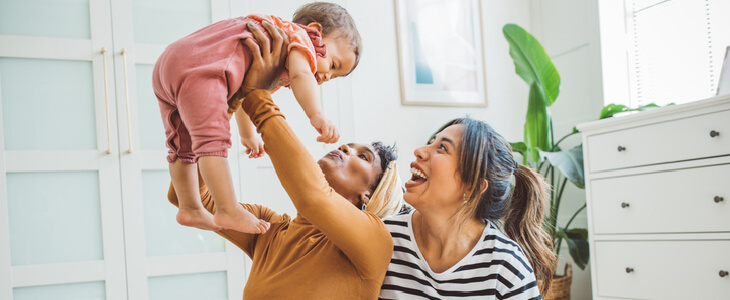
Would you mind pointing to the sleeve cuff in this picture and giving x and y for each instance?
(260, 107)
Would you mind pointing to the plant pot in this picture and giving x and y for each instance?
(560, 286)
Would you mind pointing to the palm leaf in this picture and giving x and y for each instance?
(532, 63)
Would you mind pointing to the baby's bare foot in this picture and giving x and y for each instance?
(198, 218)
(240, 219)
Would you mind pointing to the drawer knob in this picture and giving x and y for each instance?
(714, 133)
(719, 199)
(624, 205)
(723, 273)
(629, 270)
(621, 148)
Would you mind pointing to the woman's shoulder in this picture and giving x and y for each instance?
(400, 220)
(504, 251)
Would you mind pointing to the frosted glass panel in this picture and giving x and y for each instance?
(47, 104)
(54, 217)
(192, 287)
(47, 18)
(75, 291)
(165, 21)
(151, 131)
(164, 236)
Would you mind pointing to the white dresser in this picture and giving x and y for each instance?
(658, 193)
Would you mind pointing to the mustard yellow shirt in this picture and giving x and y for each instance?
(331, 250)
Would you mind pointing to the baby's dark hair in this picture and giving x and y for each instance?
(387, 154)
(334, 19)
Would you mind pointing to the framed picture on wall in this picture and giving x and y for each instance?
(440, 53)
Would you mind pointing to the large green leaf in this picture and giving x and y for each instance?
(532, 63)
(537, 126)
(577, 239)
(570, 163)
(612, 109)
(519, 147)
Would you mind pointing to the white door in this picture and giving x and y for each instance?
(164, 260)
(83, 175)
(61, 234)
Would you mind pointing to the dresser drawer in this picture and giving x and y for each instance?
(675, 140)
(665, 202)
(663, 269)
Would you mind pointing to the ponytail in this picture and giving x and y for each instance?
(524, 219)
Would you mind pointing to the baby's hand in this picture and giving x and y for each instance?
(328, 133)
(254, 146)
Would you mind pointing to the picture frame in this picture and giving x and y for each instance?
(440, 52)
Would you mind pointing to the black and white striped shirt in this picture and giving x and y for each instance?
(495, 269)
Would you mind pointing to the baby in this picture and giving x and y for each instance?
(196, 80)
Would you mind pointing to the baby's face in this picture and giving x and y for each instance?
(339, 62)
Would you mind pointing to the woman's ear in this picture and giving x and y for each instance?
(316, 26)
(364, 197)
(484, 185)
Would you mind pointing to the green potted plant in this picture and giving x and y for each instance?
(542, 152)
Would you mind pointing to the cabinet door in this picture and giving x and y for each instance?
(61, 234)
(164, 260)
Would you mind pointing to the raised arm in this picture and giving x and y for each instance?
(306, 91)
(303, 84)
(361, 236)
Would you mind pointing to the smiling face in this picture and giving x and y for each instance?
(435, 182)
(340, 60)
(351, 170)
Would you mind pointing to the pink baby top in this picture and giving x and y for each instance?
(196, 76)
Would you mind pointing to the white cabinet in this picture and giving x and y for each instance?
(83, 175)
(658, 188)
(676, 269)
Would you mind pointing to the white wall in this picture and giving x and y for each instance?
(367, 104)
(568, 29)
(377, 113)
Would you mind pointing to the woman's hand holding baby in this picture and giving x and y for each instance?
(268, 60)
(267, 64)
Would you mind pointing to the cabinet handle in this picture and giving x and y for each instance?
(719, 199)
(723, 273)
(621, 148)
(714, 133)
(106, 98)
(629, 270)
(624, 205)
(126, 96)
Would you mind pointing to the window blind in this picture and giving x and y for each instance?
(676, 49)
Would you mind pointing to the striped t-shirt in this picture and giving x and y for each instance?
(495, 269)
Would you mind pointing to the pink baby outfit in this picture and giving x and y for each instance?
(196, 76)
